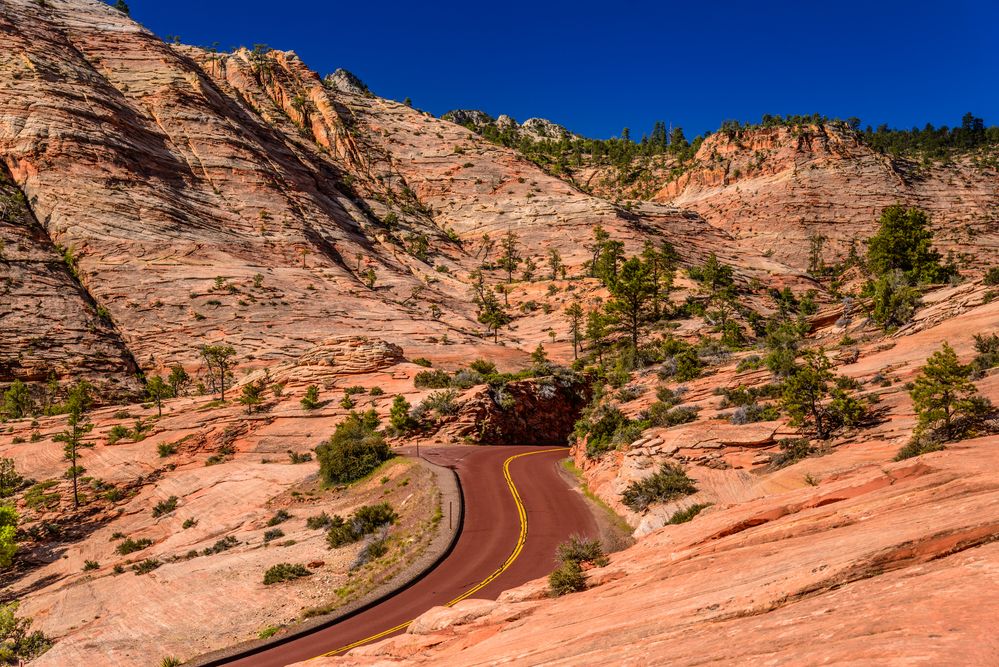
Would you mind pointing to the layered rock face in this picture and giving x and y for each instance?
(50, 325)
(773, 188)
(239, 197)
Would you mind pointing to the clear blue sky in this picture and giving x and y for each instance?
(596, 67)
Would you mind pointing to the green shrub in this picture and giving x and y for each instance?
(660, 414)
(435, 379)
(581, 550)
(116, 433)
(992, 276)
(146, 566)
(296, 458)
(354, 449)
(279, 517)
(189, 523)
(567, 578)
(89, 565)
(987, 347)
(166, 449)
(754, 412)
(285, 572)
(165, 507)
(364, 521)
(311, 399)
(376, 391)
(917, 446)
(350, 391)
(483, 367)
(131, 546)
(318, 521)
(226, 543)
(273, 534)
(670, 482)
(421, 361)
(443, 403)
(792, 450)
(16, 642)
(687, 514)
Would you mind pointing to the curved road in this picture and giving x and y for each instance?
(492, 553)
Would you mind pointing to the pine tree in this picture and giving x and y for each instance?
(219, 362)
(511, 254)
(575, 314)
(904, 242)
(17, 400)
(311, 399)
(252, 396)
(399, 415)
(157, 389)
(944, 392)
(539, 357)
(178, 380)
(77, 426)
(555, 264)
(631, 293)
(806, 397)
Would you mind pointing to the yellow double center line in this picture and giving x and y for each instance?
(521, 541)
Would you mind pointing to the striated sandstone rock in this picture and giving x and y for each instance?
(353, 354)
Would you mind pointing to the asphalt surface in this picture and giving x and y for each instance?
(491, 547)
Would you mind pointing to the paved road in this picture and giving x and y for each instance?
(493, 553)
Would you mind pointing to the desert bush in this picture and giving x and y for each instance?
(355, 449)
(165, 507)
(89, 565)
(992, 276)
(285, 572)
(750, 363)
(443, 403)
(567, 578)
(296, 457)
(273, 534)
(581, 550)
(688, 513)
(130, 546)
(791, 451)
(224, 544)
(754, 412)
(146, 566)
(364, 521)
(372, 550)
(670, 482)
(165, 449)
(322, 520)
(279, 517)
(987, 348)
(660, 414)
(311, 399)
(434, 379)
